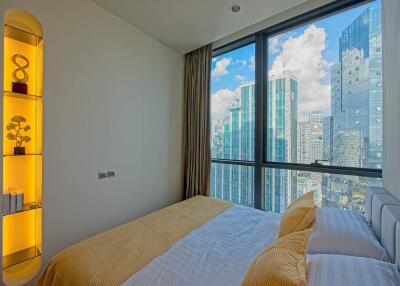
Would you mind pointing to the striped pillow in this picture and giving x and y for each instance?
(334, 270)
(344, 232)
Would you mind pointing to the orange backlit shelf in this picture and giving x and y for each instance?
(22, 95)
(20, 256)
(29, 154)
(27, 207)
(22, 147)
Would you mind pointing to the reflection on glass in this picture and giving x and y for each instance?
(233, 183)
(232, 105)
(324, 91)
(330, 190)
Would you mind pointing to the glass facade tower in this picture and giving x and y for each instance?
(356, 91)
(233, 138)
(281, 146)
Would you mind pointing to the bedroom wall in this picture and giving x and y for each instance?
(113, 100)
(391, 99)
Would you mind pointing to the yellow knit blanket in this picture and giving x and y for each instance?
(113, 256)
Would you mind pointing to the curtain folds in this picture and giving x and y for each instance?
(196, 123)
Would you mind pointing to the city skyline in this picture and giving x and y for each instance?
(319, 38)
(348, 133)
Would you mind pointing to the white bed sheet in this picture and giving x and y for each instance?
(217, 253)
(342, 270)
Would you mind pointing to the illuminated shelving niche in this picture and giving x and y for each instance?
(22, 147)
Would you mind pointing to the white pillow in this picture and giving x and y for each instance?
(335, 270)
(344, 232)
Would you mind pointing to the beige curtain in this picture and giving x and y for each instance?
(196, 125)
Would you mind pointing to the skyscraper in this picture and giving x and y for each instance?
(233, 138)
(327, 132)
(310, 139)
(247, 103)
(281, 185)
(315, 117)
(316, 141)
(356, 91)
(304, 142)
(356, 106)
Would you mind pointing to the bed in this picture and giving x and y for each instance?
(204, 241)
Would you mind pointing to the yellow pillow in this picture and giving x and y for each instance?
(280, 264)
(299, 215)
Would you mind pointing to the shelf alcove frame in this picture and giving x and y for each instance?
(22, 230)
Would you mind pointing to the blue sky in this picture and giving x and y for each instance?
(236, 67)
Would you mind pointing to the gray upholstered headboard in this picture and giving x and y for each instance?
(383, 213)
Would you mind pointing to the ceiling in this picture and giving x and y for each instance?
(185, 25)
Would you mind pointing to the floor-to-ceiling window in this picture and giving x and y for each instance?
(233, 125)
(298, 108)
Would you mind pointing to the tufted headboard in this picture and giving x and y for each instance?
(383, 214)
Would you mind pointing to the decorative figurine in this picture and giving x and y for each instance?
(20, 75)
(17, 126)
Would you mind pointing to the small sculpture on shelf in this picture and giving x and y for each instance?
(16, 128)
(20, 75)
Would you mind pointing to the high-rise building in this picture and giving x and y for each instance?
(281, 185)
(310, 139)
(310, 149)
(316, 141)
(356, 90)
(349, 148)
(247, 119)
(315, 117)
(354, 137)
(304, 142)
(233, 139)
(327, 134)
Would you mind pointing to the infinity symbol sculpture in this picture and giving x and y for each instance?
(17, 59)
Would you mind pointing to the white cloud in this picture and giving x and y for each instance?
(240, 77)
(221, 67)
(274, 44)
(221, 101)
(302, 57)
(242, 62)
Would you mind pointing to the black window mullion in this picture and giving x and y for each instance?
(258, 144)
(362, 172)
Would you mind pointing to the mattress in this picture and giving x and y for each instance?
(217, 253)
(202, 241)
(112, 257)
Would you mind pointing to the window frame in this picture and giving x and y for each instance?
(261, 84)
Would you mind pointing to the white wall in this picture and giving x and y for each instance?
(391, 98)
(113, 100)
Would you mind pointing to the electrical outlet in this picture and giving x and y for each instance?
(111, 173)
(102, 175)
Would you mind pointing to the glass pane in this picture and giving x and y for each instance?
(232, 105)
(331, 190)
(324, 92)
(233, 183)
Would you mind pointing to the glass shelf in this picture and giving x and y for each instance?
(27, 207)
(22, 95)
(21, 35)
(12, 155)
(20, 256)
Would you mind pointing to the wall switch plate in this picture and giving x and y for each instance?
(102, 175)
(111, 173)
